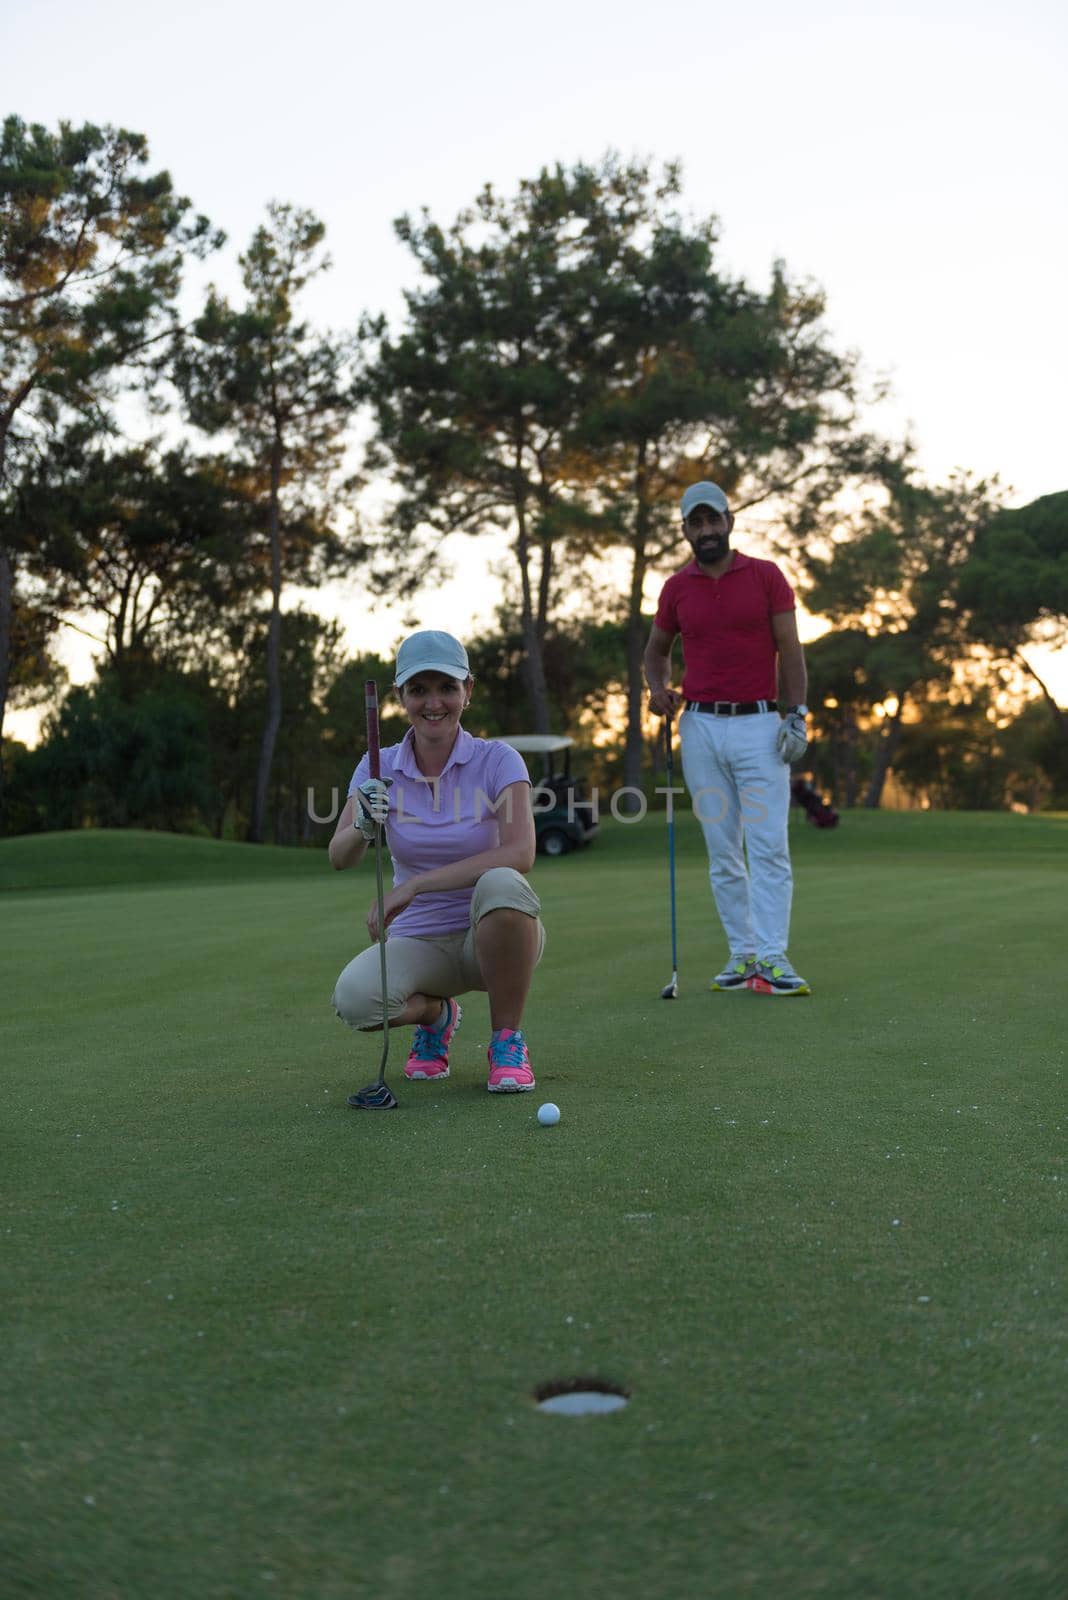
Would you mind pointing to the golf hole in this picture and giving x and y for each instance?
(580, 1397)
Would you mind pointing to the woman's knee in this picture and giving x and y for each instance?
(356, 1005)
(500, 881)
(503, 889)
(357, 997)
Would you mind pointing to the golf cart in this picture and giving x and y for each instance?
(563, 817)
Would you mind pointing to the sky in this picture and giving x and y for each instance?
(909, 159)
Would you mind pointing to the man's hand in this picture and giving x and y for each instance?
(792, 737)
(664, 702)
(371, 806)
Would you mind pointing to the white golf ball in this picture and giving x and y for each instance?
(548, 1114)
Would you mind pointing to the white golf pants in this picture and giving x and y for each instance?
(740, 791)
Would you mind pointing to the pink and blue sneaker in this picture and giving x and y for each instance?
(429, 1055)
(509, 1063)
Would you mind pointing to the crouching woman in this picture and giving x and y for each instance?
(461, 915)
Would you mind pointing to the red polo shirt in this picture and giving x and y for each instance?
(725, 623)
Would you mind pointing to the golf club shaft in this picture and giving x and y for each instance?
(374, 757)
(670, 763)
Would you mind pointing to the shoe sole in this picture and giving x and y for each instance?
(509, 1086)
(762, 986)
(728, 988)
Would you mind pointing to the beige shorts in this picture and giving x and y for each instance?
(443, 965)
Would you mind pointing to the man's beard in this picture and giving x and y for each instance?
(712, 548)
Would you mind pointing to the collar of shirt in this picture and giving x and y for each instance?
(693, 569)
(461, 752)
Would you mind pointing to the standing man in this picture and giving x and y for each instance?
(741, 651)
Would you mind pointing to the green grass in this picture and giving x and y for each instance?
(101, 860)
(258, 1344)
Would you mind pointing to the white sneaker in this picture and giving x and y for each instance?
(736, 974)
(775, 975)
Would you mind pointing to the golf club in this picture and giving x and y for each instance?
(377, 1096)
(670, 991)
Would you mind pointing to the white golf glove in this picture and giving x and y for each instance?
(372, 806)
(792, 737)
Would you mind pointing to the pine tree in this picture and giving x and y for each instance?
(91, 250)
(284, 394)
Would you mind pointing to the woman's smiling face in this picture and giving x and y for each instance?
(434, 703)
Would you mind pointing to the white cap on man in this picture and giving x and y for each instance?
(432, 651)
(704, 494)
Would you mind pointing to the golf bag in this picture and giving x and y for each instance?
(819, 812)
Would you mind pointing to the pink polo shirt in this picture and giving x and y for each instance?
(725, 623)
(436, 821)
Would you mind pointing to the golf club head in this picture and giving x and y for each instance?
(670, 991)
(376, 1097)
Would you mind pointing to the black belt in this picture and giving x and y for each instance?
(730, 708)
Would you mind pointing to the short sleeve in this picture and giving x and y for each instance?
(666, 612)
(507, 766)
(361, 775)
(780, 594)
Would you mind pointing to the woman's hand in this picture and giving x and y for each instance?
(393, 904)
